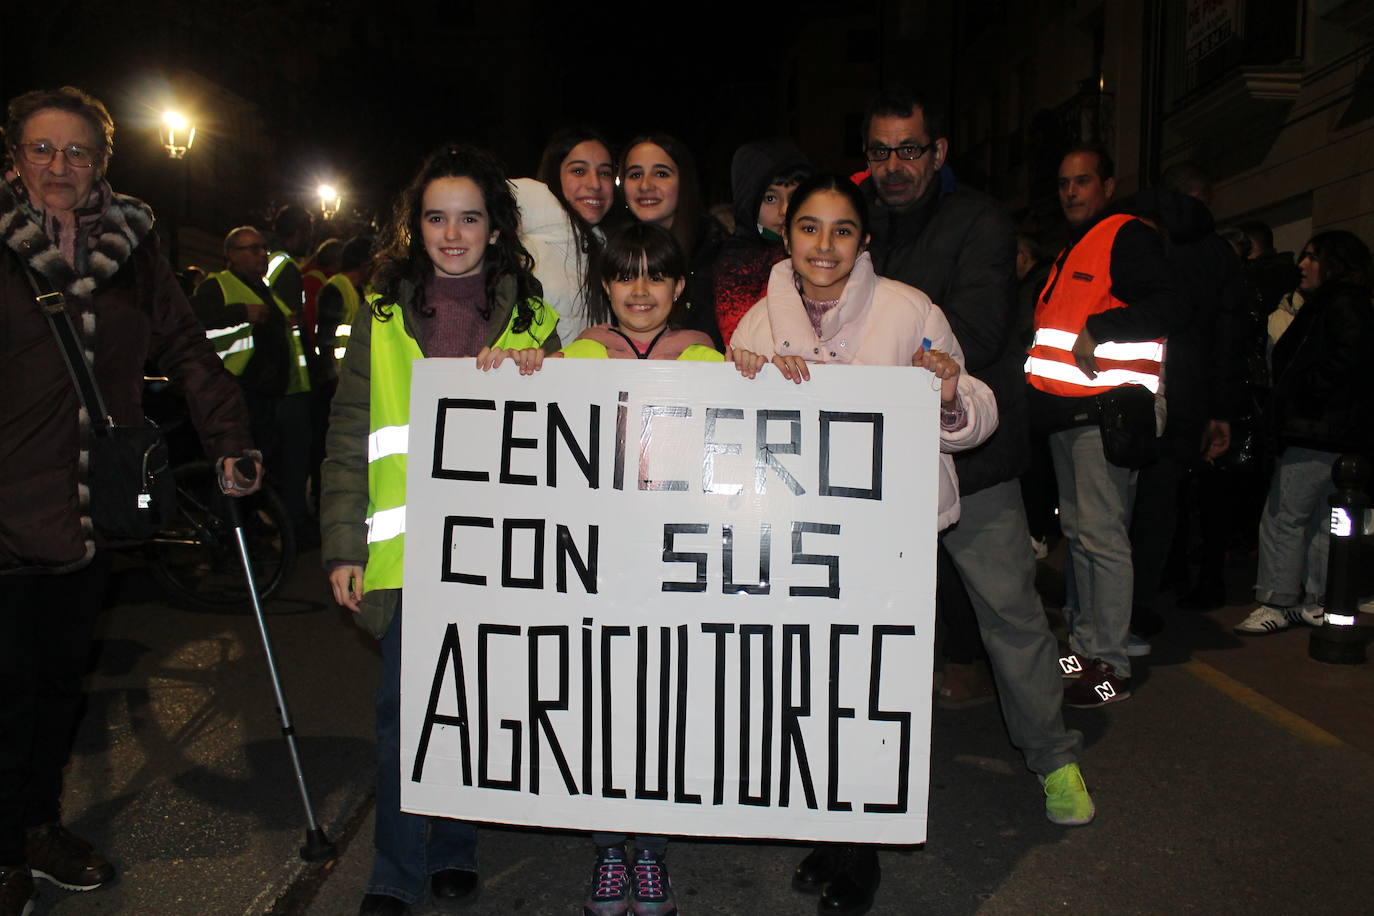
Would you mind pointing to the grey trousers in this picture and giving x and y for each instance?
(991, 548)
(1095, 515)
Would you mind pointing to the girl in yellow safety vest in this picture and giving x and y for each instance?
(452, 280)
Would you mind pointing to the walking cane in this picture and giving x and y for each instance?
(318, 847)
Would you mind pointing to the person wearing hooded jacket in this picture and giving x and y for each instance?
(1204, 381)
(762, 175)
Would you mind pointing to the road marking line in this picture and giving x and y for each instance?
(1261, 704)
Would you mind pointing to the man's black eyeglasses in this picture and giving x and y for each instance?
(909, 152)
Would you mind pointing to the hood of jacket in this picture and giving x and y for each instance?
(1187, 219)
(754, 167)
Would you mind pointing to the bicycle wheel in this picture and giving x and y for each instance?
(197, 559)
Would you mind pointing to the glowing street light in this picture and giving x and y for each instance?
(177, 134)
(330, 200)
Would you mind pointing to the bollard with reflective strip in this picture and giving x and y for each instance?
(1338, 641)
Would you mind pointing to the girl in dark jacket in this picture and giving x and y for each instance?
(659, 180)
(1321, 406)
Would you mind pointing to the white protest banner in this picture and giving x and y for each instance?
(657, 597)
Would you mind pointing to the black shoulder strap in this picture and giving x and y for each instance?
(53, 305)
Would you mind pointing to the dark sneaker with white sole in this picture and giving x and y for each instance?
(1098, 685)
(60, 857)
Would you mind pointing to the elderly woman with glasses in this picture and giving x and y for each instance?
(63, 230)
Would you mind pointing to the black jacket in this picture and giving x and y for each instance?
(742, 262)
(958, 246)
(1323, 397)
(1272, 276)
(1204, 357)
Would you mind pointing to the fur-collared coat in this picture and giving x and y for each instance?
(128, 309)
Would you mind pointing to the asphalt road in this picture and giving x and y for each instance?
(1236, 780)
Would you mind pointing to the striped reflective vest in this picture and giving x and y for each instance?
(393, 353)
(276, 263)
(1080, 286)
(351, 300)
(235, 344)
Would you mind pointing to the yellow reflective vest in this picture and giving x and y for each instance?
(393, 353)
(348, 293)
(235, 344)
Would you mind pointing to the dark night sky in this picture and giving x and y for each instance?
(366, 88)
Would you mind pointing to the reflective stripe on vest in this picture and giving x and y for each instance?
(275, 263)
(348, 293)
(1078, 287)
(393, 354)
(234, 345)
(341, 333)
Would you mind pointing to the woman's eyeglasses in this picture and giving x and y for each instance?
(43, 153)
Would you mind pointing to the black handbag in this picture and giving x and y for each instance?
(1126, 416)
(133, 492)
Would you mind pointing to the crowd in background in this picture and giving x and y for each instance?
(1164, 392)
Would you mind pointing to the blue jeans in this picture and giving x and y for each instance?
(1095, 513)
(1295, 532)
(408, 847)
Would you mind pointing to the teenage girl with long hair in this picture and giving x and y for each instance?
(452, 280)
(658, 177)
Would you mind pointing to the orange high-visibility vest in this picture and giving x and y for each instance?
(1080, 286)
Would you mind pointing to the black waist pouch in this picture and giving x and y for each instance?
(1126, 416)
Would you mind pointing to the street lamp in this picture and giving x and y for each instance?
(330, 200)
(177, 134)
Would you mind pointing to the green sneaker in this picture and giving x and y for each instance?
(1067, 800)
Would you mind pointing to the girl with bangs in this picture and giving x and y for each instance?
(642, 273)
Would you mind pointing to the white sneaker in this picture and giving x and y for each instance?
(1265, 620)
(1136, 647)
(1314, 615)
